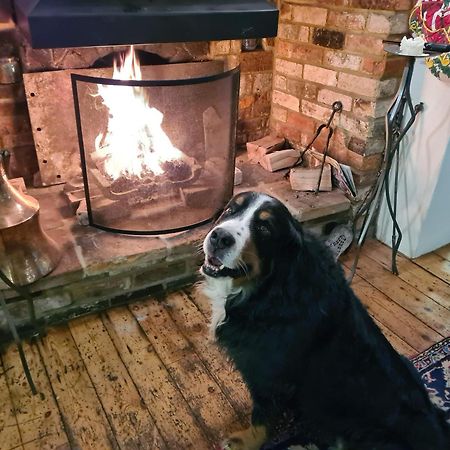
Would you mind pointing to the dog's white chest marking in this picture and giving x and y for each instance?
(218, 290)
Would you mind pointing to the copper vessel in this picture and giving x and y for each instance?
(26, 252)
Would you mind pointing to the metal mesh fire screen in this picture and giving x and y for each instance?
(157, 154)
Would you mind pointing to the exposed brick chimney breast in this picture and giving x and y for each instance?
(333, 50)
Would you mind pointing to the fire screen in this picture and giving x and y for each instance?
(157, 155)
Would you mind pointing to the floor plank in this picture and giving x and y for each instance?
(444, 252)
(435, 264)
(192, 324)
(129, 418)
(9, 430)
(420, 305)
(84, 418)
(169, 409)
(37, 416)
(398, 343)
(414, 275)
(209, 404)
(401, 322)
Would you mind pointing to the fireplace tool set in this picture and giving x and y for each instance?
(27, 253)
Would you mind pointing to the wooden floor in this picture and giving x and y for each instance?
(146, 376)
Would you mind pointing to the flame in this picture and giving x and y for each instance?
(134, 143)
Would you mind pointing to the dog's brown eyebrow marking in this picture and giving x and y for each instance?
(264, 215)
(240, 200)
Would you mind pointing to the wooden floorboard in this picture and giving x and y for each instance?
(207, 401)
(170, 411)
(444, 252)
(38, 416)
(84, 418)
(9, 429)
(435, 264)
(130, 420)
(148, 376)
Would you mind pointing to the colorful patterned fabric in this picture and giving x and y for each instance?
(430, 19)
(433, 366)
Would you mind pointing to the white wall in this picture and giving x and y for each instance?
(424, 177)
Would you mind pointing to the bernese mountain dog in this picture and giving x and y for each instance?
(304, 344)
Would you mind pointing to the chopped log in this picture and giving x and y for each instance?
(268, 144)
(306, 179)
(280, 159)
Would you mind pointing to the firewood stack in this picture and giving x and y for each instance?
(271, 154)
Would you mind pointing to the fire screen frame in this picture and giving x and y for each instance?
(232, 74)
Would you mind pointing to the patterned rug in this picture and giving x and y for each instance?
(433, 366)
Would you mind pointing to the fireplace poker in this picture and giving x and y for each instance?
(335, 108)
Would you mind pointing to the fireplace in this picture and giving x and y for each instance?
(157, 143)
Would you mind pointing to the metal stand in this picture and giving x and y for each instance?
(395, 132)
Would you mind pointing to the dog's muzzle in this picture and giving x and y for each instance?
(218, 242)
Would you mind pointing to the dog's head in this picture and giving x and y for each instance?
(252, 232)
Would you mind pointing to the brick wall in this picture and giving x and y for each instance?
(332, 50)
(255, 85)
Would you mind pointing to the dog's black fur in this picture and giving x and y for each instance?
(305, 345)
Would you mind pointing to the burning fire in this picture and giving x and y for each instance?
(134, 143)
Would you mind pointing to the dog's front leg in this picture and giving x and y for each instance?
(251, 438)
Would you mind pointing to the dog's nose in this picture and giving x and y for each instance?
(221, 239)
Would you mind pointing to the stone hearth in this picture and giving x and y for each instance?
(100, 269)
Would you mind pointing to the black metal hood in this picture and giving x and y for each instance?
(83, 23)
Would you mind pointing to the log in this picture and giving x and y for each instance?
(281, 159)
(306, 179)
(268, 144)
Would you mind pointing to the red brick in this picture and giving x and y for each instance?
(262, 82)
(246, 84)
(390, 67)
(388, 23)
(346, 20)
(295, 87)
(403, 5)
(310, 91)
(302, 122)
(299, 52)
(319, 112)
(280, 82)
(319, 75)
(368, 87)
(289, 68)
(356, 126)
(328, 38)
(328, 96)
(341, 60)
(261, 105)
(285, 11)
(309, 15)
(359, 43)
(256, 61)
(371, 108)
(278, 113)
(288, 31)
(286, 100)
(292, 133)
